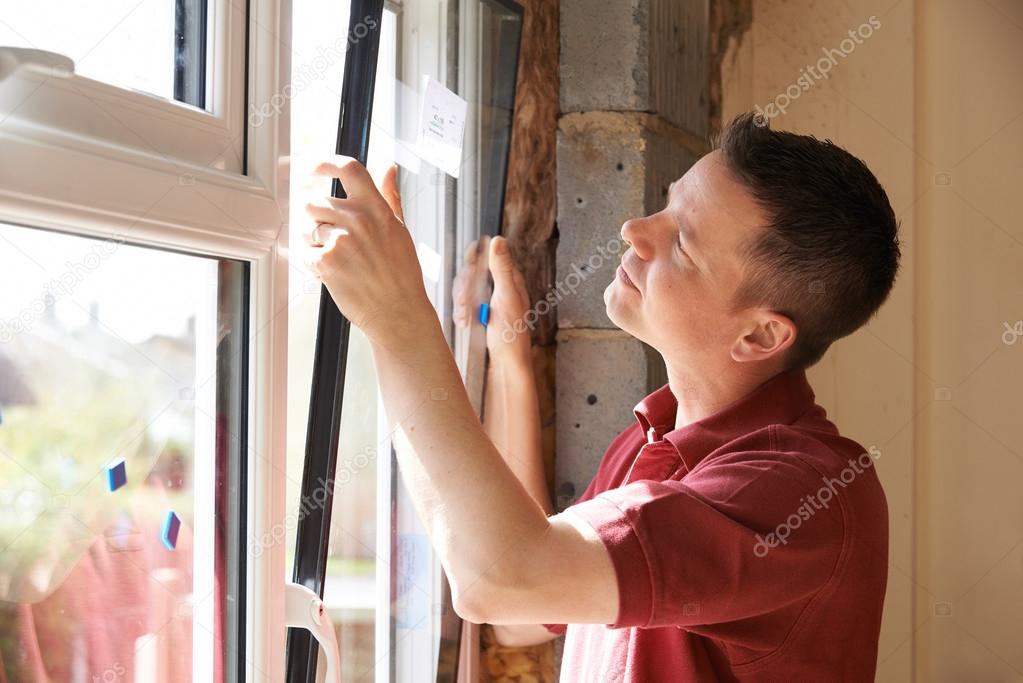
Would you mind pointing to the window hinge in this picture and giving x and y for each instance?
(304, 609)
(14, 59)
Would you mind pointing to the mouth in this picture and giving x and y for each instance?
(624, 277)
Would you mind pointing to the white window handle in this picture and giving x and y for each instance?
(14, 59)
(304, 609)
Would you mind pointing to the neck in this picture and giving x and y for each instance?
(701, 393)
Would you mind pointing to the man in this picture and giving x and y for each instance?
(731, 533)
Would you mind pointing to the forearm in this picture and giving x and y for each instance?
(512, 420)
(480, 518)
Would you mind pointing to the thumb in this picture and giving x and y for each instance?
(501, 261)
(390, 192)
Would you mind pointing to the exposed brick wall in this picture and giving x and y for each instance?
(615, 99)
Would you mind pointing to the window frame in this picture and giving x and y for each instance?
(312, 537)
(56, 178)
(404, 649)
(93, 116)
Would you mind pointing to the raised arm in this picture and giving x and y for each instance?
(511, 405)
(508, 562)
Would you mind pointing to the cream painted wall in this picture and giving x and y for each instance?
(932, 100)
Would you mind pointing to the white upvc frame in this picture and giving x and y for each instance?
(74, 109)
(54, 177)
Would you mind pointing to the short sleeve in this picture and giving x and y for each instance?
(736, 538)
(556, 629)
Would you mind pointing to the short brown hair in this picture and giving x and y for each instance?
(830, 253)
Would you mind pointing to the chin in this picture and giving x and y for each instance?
(618, 313)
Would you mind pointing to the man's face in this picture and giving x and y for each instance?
(684, 265)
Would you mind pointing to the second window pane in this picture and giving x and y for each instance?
(121, 443)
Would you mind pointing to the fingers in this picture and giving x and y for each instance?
(391, 194)
(313, 238)
(353, 176)
(501, 265)
(340, 213)
(322, 233)
(507, 276)
(460, 296)
(469, 281)
(471, 253)
(330, 214)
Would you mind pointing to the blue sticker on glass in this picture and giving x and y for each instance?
(117, 474)
(171, 527)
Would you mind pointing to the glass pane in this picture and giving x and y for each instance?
(500, 30)
(357, 542)
(490, 58)
(121, 377)
(350, 592)
(493, 61)
(156, 46)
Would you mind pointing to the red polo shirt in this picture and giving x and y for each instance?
(751, 545)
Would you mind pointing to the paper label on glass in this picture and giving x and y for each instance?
(441, 127)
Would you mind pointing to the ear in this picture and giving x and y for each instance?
(770, 336)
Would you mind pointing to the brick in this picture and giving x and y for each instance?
(604, 55)
(601, 173)
(644, 55)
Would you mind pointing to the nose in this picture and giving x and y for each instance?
(636, 233)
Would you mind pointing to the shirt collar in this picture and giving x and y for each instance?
(779, 400)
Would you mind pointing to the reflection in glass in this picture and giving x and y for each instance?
(111, 351)
(158, 46)
(500, 28)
